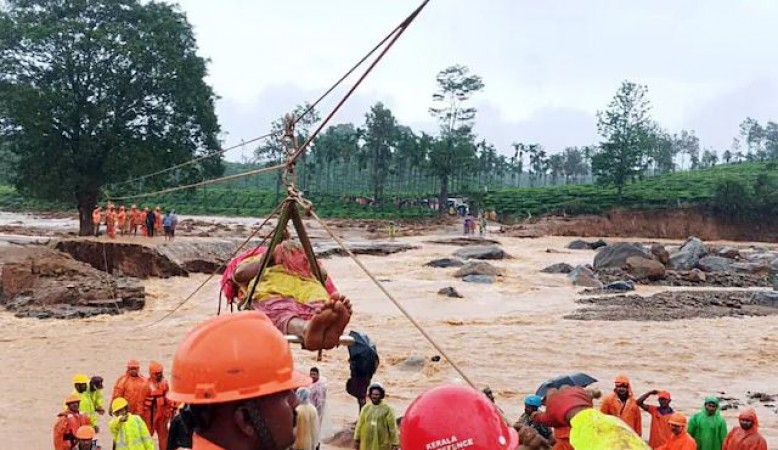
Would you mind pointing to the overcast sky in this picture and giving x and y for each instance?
(548, 66)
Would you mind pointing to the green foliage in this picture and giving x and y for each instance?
(629, 135)
(101, 91)
(673, 190)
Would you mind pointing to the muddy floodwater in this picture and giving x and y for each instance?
(510, 335)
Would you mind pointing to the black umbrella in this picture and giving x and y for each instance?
(574, 379)
(362, 346)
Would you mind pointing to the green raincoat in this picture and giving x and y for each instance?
(376, 428)
(709, 431)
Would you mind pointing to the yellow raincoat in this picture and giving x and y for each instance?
(376, 428)
(593, 430)
(130, 435)
(97, 398)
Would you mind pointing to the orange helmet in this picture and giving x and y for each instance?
(85, 432)
(474, 424)
(133, 364)
(233, 357)
(155, 367)
(73, 398)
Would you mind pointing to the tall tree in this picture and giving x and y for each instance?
(709, 158)
(628, 132)
(687, 143)
(663, 152)
(98, 91)
(380, 142)
(574, 165)
(450, 106)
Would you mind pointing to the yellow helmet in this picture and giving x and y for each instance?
(118, 403)
(80, 379)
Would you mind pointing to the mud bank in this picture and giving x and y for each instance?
(664, 224)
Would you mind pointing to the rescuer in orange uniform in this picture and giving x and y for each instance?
(158, 409)
(132, 387)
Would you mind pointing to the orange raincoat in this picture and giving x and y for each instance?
(97, 216)
(681, 441)
(628, 411)
(157, 220)
(158, 410)
(740, 439)
(65, 429)
(134, 390)
(110, 223)
(121, 219)
(660, 427)
(134, 219)
(143, 216)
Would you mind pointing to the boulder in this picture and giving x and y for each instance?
(660, 253)
(695, 246)
(695, 276)
(450, 292)
(756, 268)
(599, 243)
(728, 252)
(620, 286)
(488, 279)
(583, 276)
(578, 244)
(645, 269)
(682, 260)
(768, 298)
(715, 264)
(558, 268)
(477, 268)
(445, 262)
(481, 252)
(615, 256)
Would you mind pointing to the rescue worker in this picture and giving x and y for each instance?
(158, 220)
(376, 428)
(86, 406)
(242, 395)
(110, 222)
(128, 430)
(532, 404)
(68, 423)
(746, 435)
(678, 438)
(432, 421)
(158, 410)
(121, 219)
(85, 439)
(590, 429)
(707, 427)
(97, 217)
(660, 430)
(144, 217)
(135, 219)
(132, 387)
(621, 403)
(96, 394)
(180, 433)
(151, 221)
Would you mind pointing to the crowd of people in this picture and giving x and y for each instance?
(127, 223)
(251, 398)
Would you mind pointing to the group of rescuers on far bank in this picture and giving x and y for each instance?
(235, 375)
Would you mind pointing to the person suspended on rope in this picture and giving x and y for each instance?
(293, 298)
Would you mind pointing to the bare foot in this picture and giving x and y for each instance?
(313, 336)
(342, 318)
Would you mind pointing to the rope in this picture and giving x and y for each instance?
(268, 135)
(192, 161)
(396, 33)
(402, 309)
(203, 183)
(219, 269)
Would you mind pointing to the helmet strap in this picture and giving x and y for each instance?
(266, 440)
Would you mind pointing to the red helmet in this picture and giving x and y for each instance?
(432, 421)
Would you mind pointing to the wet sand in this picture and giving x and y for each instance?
(509, 335)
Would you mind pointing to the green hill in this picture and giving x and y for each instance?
(672, 190)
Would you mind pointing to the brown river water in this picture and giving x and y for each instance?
(509, 335)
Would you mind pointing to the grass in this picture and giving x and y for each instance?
(668, 191)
